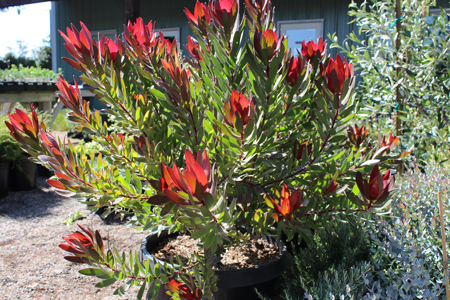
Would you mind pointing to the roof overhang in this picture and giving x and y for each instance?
(9, 3)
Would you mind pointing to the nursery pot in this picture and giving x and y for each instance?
(4, 176)
(233, 284)
(44, 172)
(22, 175)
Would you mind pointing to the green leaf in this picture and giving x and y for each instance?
(106, 282)
(141, 291)
(91, 272)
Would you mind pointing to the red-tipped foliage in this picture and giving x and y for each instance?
(78, 43)
(258, 9)
(108, 46)
(180, 186)
(85, 244)
(336, 73)
(300, 148)
(378, 186)
(288, 204)
(332, 188)
(357, 135)
(201, 16)
(193, 48)
(311, 50)
(141, 35)
(266, 45)
(390, 143)
(183, 291)
(21, 125)
(225, 12)
(295, 67)
(238, 106)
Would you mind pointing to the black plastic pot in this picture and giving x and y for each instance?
(4, 177)
(22, 175)
(233, 285)
(44, 172)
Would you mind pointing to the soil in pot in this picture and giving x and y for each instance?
(4, 176)
(257, 265)
(22, 175)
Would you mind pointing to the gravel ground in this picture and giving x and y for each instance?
(31, 263)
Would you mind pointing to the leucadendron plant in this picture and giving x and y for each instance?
(240, 134)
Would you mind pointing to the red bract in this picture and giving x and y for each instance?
(86, 244)
(378, 186)
(225, 13)
(336, 73)
(181, 186)
(143, 34)
(295, 68)
(266, 45)
(108, 46)
(184, 293)
(311, 49)
(357, 135)
(201, 15)
(78, 43)
(193, 48)
(288, 204)
(238, 106)
(22, 124)
(390, 143)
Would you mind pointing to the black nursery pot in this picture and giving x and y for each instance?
(22, 175)
(233, 285)
(4, 177)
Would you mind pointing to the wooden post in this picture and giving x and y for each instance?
(132, 10)
(444, 243)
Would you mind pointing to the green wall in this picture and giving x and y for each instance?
(110, 14)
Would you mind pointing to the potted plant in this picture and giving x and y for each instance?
(241, 140)
(14, 169)
(9, 151)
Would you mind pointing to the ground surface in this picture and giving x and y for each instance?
(32, 264)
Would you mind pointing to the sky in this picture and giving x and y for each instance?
(32, 25)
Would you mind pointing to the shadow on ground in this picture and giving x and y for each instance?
(30, 204)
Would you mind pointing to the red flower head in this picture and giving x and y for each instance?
(183, 291)
(288, 204)
(201, 16)
(108, 46)
(225, 13)
(238, 106)
(391, 142)
(144, 35)
(88, 245)
(194, 181)
(193, 48)
(266, 45)
(311, 50)
(295, 68)
(336, 73)
(357, 135)
(378, 186)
